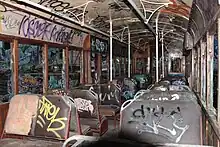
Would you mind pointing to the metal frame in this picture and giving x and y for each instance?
(132, 5)
(110, 43)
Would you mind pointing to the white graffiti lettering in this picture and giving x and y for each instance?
(84, 105)
(151, 122)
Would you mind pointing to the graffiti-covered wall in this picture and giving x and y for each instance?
(30, 61)
(17, 23)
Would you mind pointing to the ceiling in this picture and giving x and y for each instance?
(174, 15)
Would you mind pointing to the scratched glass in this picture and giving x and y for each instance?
(55, 59)
(104, 67)
(74, 68)
(30, 69)
(5, 70)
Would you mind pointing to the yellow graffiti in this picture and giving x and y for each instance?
(29, 79)
(50, 111)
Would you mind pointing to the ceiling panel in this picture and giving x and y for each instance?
(174, 15)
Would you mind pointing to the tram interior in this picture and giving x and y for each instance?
(109, 72)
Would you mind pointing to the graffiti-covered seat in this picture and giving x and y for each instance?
(161, 120)
(31, 117)
(109, 99)
(87, 105)
(75, 126)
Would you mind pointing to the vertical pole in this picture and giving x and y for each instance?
(129, 54)
(148, 60)
(162, 55)
(66, 67)
(14, 65)
(45, 68)
(192, 66)
(157, 45)
(218, 100)
(82, 67)
(110, 49)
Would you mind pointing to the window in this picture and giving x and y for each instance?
(74, 68)
(30, 69)
(55, 61)
(5, 70)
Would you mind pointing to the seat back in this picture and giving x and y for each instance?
(21, 117)
(108, 94)
(60, 92)
(53, 117)
(86, 102)
(39, 116)
(167, 121)
(74, 121)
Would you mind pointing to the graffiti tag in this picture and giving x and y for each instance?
(149, 120)
(49, 112)
(84, 105)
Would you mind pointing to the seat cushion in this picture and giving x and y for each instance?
(85, 129)
(91, 122)
(107, 110)
(9, 142)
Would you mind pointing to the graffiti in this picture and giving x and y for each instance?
(173, 98)
(84, 105)
(56, 82)
(9, 22)
(59, 92)
(107, 94)
(149, 120)
(64, 8)
(34, 28)
(179, 82)
(21, 24)
(49, 111)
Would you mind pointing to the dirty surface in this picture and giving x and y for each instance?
(8, 142)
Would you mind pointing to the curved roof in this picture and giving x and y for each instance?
(137, 15)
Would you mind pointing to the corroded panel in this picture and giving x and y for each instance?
(22, 110)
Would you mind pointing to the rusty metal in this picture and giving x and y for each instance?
(14, 57)
(3, 113)
(45, 67)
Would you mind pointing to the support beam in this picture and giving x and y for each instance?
(110, 49)
(65, 71)
(14, 65)
(45, 68)
(163, 67)
(157, 48)
(132, 5)
(129, 54)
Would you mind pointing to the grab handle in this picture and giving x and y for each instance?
(126, 104)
